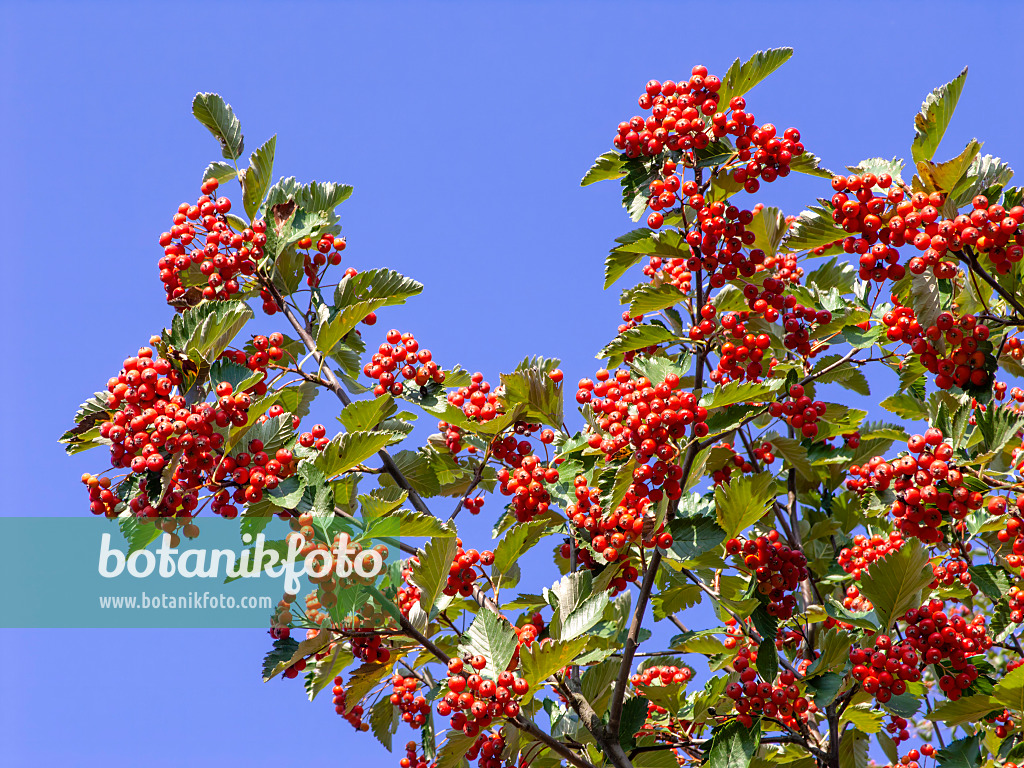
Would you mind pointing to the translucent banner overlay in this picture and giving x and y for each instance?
(86, 572)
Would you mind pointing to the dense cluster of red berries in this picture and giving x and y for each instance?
(866, 550)
(474, 701)
(525, 477)
(663, 675)
(755, 697)
(477, 401)
(963, 363)
(151, 425)
(919, 483)
(885, 672)
(355, 715)
(799, 411)
(939, 637)
(413, 759)
(201, 236)
(328, 251)
(616, 531)
(462, 573)
(1013, 534)
(777, 568)
(414, 708)
(636, 413)
(401, 354)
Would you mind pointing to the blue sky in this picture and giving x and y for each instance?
(465, 128)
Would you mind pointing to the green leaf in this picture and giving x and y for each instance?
(1010, 690)
(451, 753)
(583, 617)
(358, 296)
(907, 406)
(835, 652)
(878, 166)
(222, 172)
(639, 173)
(383, 721)
(810, 164)
(733, 744)
(812, 228)
(932, 121)
(640, 337)
(742, 392)
(848, 376)
(894, 583)
(531, 386)
(284, 649)
(692, 537)
(944, 177)
(380, 501)
(998, 425)
(541, 661)
(351, 448)
(962, 753)
(238, 376)
(205, 331)
(493, 638)
(322, 197)
(430, 574)
(865, 620)
(794, 454)
(607, 166)
(994, 580)
(647, 298)
(326, 670)
(767, 660)
(853, 749)
(362, 415)
(864, 718)
(517, 540)
(406, 522)
(256, 180)
(634, 715)
(138, 532)
(985, 172)
(969, 709)
(824, 688)
(740, 78)
(742, 501)
(218, 117)
(768, 226)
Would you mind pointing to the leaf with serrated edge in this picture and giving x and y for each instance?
(541, 661)
(894, 583)
(431, 573)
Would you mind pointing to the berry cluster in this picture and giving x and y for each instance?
(525, 482)
(401, 353)
(667, 675)
(477, 401)
(462, 573)
(964, 362)
(473, 701)
(897, 729)
(151, 425)
(800, 411)
(939, 637)
(616, 531)
(866, 550)
(412, 757)
(328, 251)
(885, 672)
(414, 708)
(353, 716)
(201, 236)
(777, 568)
(754, 698)
(647, 417)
